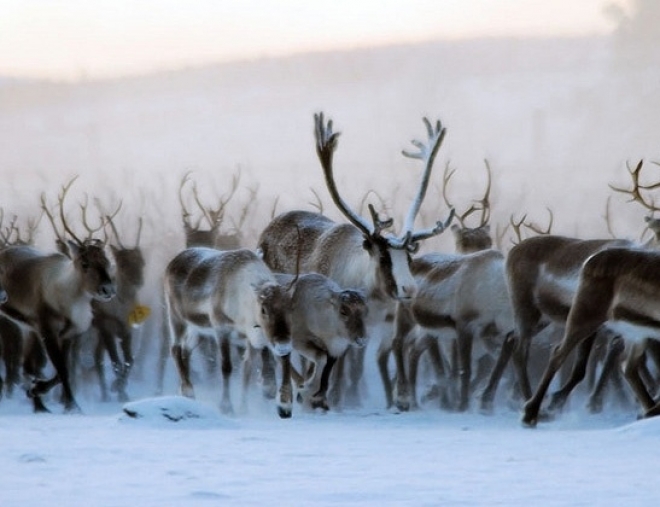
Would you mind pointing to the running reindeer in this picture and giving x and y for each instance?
(113, 321)
(358, 254)
(464, 292)
(207, 290)
(51, 294)
(11, 335)
(210, 236)
(623, 307)
(325, 321)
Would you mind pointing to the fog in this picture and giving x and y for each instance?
(558, 120)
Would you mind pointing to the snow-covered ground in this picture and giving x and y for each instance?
(557, 120)
(183, 452)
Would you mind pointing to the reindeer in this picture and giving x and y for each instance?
(11, 335)
(617, 290)
(465, 292)
(51, 294)
(112, 320)
(211, 237)
(543, 275)
(358, 254)
(207, 290)
(325, 322)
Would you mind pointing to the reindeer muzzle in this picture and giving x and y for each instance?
(106, 292)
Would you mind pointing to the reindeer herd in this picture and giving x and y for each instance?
(299, 308)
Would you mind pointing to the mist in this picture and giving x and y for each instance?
(557, 119)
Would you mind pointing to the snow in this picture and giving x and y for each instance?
(367, 456)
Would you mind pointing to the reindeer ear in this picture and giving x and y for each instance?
(367, 244)
(73, 247)
(486, 228)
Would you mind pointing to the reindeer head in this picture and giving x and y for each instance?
(274, 302)
(470, 239)
(88, 255)
(390, 254)
(353, 309)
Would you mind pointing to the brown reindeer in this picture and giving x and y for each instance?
(617, 290)
(112, 322)
(543, 274)
(11, 335)
(358, 254)
(51, 294)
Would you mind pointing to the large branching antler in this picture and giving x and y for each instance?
(426, 153)
(409, 239)
(326, 144)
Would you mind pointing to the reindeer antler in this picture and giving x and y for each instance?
(636, 191)
(482, 204)
(326, 143)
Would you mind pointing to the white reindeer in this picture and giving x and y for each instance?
(358, 254)
(208, 289)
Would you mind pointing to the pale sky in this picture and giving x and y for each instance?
(71, 39)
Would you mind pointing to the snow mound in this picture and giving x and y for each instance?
(174, 409)
(644, 427)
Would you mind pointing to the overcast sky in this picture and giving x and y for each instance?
(96, 38)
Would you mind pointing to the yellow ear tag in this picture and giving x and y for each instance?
(138, 315)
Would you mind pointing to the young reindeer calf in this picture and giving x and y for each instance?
(325, 321)
(207, 290)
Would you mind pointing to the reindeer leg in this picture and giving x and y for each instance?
(248, 361)
(464, 343)
(268, 380)
(319, 399)
(102, 345)
(631, 370)
(355, 373)
(226, 368)
(488, 394)
(58, 356)
(418, 347)
(126, 344)
(383, 358)
(612, 358)
(181, 353)
(404, 324)
(335, 393)
(558, 398)
(285, 402)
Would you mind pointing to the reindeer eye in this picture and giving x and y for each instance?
(343, 311)
(84, 264)
(264, 312)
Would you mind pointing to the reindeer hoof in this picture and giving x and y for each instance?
(320, 403)
(403, 405)
(486, 407)
(284, 413)
(595, 406)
